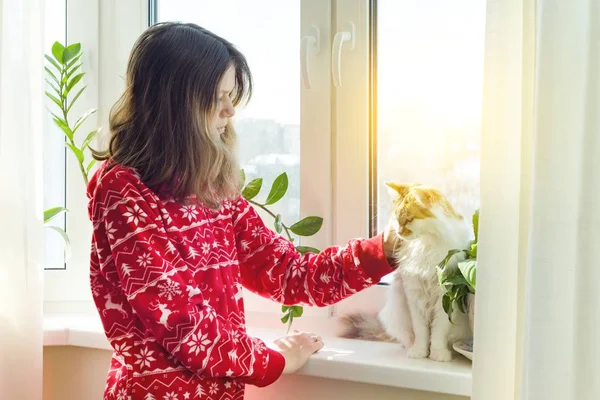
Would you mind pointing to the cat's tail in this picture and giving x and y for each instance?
(364, 326)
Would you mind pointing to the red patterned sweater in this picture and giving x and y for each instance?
(167, 282)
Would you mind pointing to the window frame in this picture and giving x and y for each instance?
(107, 28)
(53, 137)
(101, 27)
(355, 138)
(336, 176)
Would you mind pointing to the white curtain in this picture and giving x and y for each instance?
(538, 301)
(562, 330)
(21, 229)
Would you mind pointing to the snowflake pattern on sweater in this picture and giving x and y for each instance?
(167, 281)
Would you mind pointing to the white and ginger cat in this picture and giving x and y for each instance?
(428, 227)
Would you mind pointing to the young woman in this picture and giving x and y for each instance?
(174, 242)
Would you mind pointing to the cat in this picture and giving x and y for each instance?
(428, 227)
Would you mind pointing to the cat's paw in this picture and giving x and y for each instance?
(441, 355)
(417, 352)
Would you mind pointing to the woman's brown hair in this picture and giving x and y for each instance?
(161, 127)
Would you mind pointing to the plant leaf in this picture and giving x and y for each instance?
(55, 116)
(89, 167)
(457, 280)
(65, 128)
(70, 52)
(306, 249)
(88, 139)
(441, 275)
(75, 98)
(285, 318)
(78, 153)
(460, 301)
(465, 301)
(70, 73)
(448, 257)
(278, 189)
(462, 292)
(284, 308)
(297, 311)
(52, 213)
(468, 269)
(54, 99)
(446, 303)
(56, 90)
(51, 74)
(54, 63)
(252, 189)
(308, 226)
(73, 82)
(66, 239)
(73, 61)
(82, 119)
(472, 252)
(278, 224)
(58, 51)
(476, 225)
(242, 178)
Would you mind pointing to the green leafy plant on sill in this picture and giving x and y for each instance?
(460, 281)
(305, 227)
(63, 73)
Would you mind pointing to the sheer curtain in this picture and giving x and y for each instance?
(562, 333)
(21, 229)
(538, 318)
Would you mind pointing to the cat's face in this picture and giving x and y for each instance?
(420, 211)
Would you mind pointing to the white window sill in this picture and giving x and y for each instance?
(352, 360)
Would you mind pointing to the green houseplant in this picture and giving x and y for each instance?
(459, 283)
(63, 74)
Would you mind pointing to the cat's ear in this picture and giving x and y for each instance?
(398, 190)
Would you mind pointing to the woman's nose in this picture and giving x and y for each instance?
(228, 111)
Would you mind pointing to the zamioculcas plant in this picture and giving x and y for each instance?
(63, 74)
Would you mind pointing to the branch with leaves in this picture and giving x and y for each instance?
(305, 227)
(63, 73)
(66, 74)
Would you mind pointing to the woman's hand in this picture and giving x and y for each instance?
(297, 348)
(391, 240)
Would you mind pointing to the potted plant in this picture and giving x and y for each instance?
(459, 283)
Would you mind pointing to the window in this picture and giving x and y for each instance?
(269, 127)
(429, 70)
(430, 75)
(54, 144)
(409, 89)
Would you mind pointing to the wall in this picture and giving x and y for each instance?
(75, 373)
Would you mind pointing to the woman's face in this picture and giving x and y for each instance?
(225, 109)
